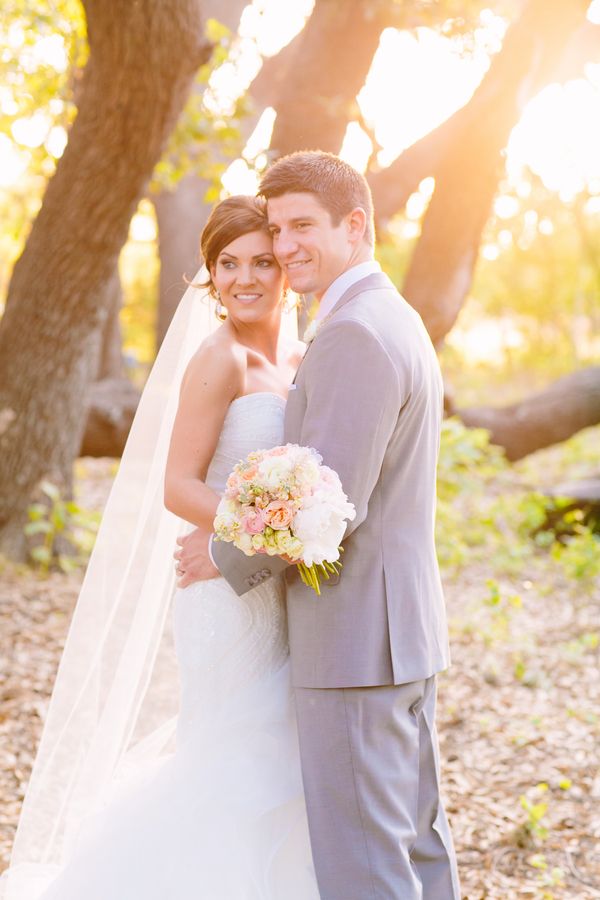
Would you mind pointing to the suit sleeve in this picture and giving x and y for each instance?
(354, 397)
(244, 572)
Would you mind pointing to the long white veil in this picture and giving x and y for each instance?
(114, 705)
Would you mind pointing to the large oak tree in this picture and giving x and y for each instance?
(143, 57)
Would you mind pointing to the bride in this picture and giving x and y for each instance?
(130, 798)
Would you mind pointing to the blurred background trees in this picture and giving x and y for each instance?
(470, 122)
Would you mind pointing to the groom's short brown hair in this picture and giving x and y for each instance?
(338, 187)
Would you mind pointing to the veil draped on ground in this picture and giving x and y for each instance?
(114, 706)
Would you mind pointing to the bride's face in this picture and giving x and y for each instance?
(248, 277)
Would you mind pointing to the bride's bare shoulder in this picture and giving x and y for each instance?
(220, 361)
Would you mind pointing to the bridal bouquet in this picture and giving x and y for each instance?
(284, 502)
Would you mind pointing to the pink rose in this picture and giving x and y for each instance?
(278, 514)
(252, 522)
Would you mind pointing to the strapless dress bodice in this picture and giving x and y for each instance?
(252, 422)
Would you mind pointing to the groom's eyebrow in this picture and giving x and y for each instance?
(256, 256)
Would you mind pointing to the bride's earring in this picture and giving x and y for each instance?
(220, 310)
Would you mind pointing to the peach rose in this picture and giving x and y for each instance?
(278, 514)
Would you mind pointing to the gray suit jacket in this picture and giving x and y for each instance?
(368, 397)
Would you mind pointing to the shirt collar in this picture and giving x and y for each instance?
(342, 283)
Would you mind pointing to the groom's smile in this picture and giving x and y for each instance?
(310, 248)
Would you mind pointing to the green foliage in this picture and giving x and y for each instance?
(536, 304)
(544, 283)
(535, 825)
(207, 136)
(65, 532)
(549, 877)
(501, 608)
(33, 91)
(579, 556)
(578, 647)
(488, 511)
(467, 466)
(32, 33)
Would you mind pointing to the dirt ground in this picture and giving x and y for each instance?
(518, 717)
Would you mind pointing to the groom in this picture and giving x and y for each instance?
(368, 397)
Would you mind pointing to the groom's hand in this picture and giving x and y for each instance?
(193, 560)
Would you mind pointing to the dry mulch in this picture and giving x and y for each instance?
(519, 716)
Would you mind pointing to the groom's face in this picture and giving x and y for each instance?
(310, 249)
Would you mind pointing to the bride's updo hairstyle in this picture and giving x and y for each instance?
(229, 220)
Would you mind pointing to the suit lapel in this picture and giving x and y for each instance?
(375, 281)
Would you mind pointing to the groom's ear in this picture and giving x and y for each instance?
(356, 224)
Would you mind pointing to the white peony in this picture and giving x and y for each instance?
(320, 526)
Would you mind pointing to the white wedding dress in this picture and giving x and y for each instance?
(224, 817)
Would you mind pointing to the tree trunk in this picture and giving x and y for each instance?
(111, 363)
(545, 418)
(182, 212)
(391, 187)
(441, 270)
(143, 57)
(180, 216)
(324, 74)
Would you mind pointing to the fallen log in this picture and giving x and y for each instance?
(573, 504)
(111, 406)
(542, 419)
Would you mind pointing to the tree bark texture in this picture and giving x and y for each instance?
(441, 269)
(324, 74)
(111, 363)
(143, 56)
(544, 418)
(181, 213)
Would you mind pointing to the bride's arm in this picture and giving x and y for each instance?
(215, 375)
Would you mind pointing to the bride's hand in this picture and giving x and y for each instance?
(193, 559)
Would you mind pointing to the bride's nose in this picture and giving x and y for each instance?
(245, 275)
